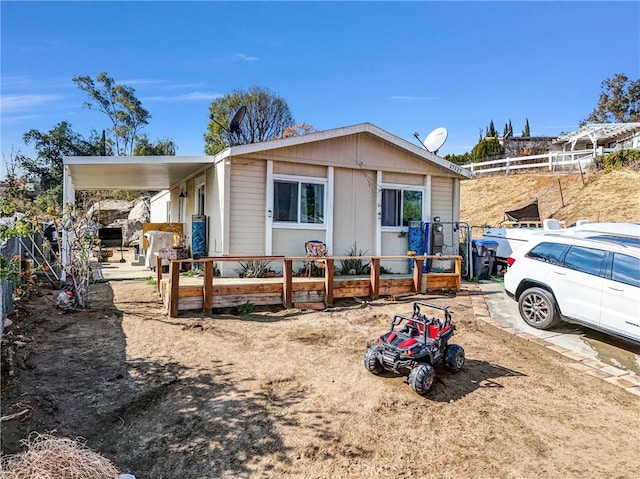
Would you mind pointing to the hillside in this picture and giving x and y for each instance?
(613, 196)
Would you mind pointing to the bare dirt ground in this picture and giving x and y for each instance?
(284, 394)
(594, 196)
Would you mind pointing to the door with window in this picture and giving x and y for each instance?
(577, 283)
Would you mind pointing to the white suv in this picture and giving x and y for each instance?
(591, 279)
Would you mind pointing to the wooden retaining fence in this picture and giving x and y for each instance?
(208, 292)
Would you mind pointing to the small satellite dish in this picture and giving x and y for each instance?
(234, 126)
(434, 140)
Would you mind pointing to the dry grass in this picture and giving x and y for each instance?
(613, 196)
(50, 457)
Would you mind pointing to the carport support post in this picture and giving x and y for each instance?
(287, 283)
(159, 273)
(207, 302)
(417, 274)
(374, 291)
(328, 281)
(174, 283)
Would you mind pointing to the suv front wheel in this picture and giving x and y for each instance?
(538, 308)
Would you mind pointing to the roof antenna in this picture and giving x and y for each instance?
(234, 125)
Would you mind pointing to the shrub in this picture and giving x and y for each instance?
(254, 269)
(619, 159)
(358, 265)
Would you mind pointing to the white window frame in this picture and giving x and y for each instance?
(402, 188)
(300, 180)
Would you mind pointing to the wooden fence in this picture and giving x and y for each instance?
(289, 290)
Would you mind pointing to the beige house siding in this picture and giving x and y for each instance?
(442, 198)
(299, 169)
(214, 210)
(402, 178)
(361, 151)
(354, 210)
(290, 242)
(247, 208)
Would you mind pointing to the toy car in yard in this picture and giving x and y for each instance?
(414, 345)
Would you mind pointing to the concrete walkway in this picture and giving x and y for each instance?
(115, 269)
(616, 362)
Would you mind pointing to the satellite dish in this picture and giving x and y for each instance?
(234, 126)
(434, 140)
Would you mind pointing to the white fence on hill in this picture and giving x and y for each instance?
(553, 161)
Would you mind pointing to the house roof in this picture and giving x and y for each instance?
(597, 132)
(164, 172)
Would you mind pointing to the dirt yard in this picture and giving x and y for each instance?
(594, 196)
(284, 394)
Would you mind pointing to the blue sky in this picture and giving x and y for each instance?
(404, 66)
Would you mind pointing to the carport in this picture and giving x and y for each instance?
(151, 173)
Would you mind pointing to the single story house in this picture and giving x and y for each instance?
(357, 184)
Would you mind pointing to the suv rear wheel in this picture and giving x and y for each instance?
(538, 308)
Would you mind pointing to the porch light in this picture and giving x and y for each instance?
(183, 194)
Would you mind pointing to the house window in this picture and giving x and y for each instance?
(399, 206)
(298, 201)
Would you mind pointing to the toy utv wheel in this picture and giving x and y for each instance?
(421, 378)
(454, 358)
(371, 361)
(538, 308)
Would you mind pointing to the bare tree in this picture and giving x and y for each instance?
(267, 117)
(120, 104)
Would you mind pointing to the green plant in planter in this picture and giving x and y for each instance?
(356, 266)
(254, 269)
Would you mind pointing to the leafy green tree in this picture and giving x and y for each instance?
(619, 101)
(47, 167)
(507, 131)
(120, 104)
(487, 149)
(491, 131)
(144, 147)
(267, 117)
(526, 133)
(461, 159)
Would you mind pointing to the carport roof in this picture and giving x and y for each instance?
(132, 172)
(598, 132)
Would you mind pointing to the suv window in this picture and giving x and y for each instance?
(587, 260)
(626, 269)
(548, 252)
